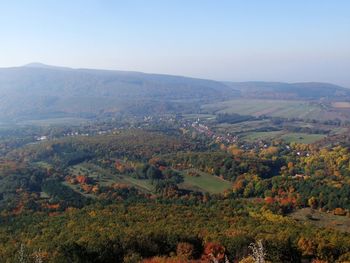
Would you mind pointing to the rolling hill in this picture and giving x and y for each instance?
(280, 90)
(41, 91)
(38, 90)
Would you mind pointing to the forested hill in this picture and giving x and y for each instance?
(38, 90)
(281, 90)
(42, 91)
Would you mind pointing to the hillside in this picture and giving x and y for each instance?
(280, 90)
(163, 195)
(38, 90)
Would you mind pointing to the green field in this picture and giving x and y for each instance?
(44, 165)
(105, 176)
(76, 188)
(205, 183)
(255, 136)
(286, 136)
(322, 219)
(245, 126)
(274, 108)
(54, 121)
(200, 116)
(141, 184)
(302, 137)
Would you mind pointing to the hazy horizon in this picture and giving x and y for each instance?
(40, 64)
(289, 41)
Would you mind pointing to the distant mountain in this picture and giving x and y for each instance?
(37, 90)
(280, 90)
(41, 65)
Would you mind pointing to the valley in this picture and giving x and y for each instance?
(175, 169)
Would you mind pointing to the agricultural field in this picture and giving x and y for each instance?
(341, 105)
(204, 182)
(286, 136)
(54, 121)
(302, 137)
(245, 126)
(322, 219)
(105, 177)
(273, 108)
(194, 117)
(255, 136)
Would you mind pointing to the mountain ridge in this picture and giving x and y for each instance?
(38, 90)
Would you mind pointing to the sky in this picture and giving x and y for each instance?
(235, 40)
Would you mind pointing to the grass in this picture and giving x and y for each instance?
(205, 183)
(143, 184)
(54, 121)
(322, 219)
(194, 117)
(254, 136)
(77, 189)
(340, 130)
(43, 165)
(275, 108)
(91, 170)
(302, 137)
(106, 177)
(286, 136)
(341, 104)
(245, 126)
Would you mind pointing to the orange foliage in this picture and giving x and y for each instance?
(53, 206)
(214, 251)
(269, 200)
(86, 188)
(119, 166)
(238, 185)
(18, 209)
(339, 212)
(120, 186)
(54, 214)
(95, 189)
(175, 260)
(162, 168)
(234, 150)
(184, 250)
(306, 246)
(82, 179)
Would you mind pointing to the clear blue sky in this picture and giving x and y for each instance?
(277, 40)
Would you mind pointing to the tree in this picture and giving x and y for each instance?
(258, 252)
(184, 250)
(214, 252)
(154, 173)
(312, 202)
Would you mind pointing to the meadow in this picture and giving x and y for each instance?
(202, 182)
(322, 219)
(285, 136)
(274, 108)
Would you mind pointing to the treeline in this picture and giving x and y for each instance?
(233, 118)
(225, 165)
(136, 232)
(133, 144)
(60, 193)
(287, 176)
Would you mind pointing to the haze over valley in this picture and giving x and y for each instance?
(188, 131)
